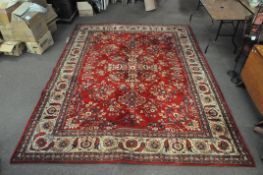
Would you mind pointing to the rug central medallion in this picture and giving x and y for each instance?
(132, 94)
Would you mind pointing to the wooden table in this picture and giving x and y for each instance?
(225, 11)
(245, 3)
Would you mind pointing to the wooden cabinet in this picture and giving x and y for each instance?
(252, 76)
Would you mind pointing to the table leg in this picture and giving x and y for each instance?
(219, 30)
(217, 35)
(197, 9)
(234, 36)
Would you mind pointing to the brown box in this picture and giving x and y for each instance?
(29, 33)
(40, 2)
(52, 26)
(26, 11)
(85, 13)
(7, 32)
(14, 48)
(28, 26)
(51, 14)
(85, 9)
(6, 10)
(41, 45)
(149, 5)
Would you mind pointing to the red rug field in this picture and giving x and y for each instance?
(140, 94)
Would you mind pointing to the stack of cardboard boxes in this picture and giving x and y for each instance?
(26, 24)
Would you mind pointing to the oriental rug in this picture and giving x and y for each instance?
(141, 94)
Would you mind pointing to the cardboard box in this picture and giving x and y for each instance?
(51, 14)
(85, 9)
(85, 13)
(7, 32)
(26, 11)
(84, 6)
(41, 45)
(149, 5)
(28, 25)
(52, 26)
(14, 48)
(19, 31)
(6, 9)
(30, 32)
(40, 2)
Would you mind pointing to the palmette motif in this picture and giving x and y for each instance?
(132, 94)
